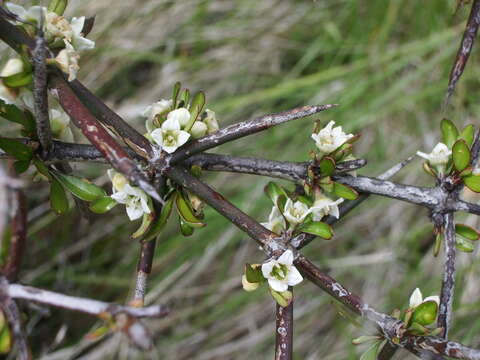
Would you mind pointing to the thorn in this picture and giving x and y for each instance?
(150, 190)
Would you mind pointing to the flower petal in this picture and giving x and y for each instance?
(286, 258)
(294, 277)
(416, 298)
(267, 268)
(278, 285)
(157, 136)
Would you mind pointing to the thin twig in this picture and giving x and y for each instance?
(243, 129)
(284, 331)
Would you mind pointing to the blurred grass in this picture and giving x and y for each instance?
(385, 63)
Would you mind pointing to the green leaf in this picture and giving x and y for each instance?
(282, 298)
(344, 191)
(365, 338)
(425, 313)
(417, 329)
(461, 155)
(318, 228)
(185, 97)
(144, 226)
(449, 132)
(464, 245)
(343, 151)
(185, 228)
(16, 149)
(160, 223)
(41, 168)
(14, 114)
(467, 232)
(57, 6)
(18, 80)
(21, 166)
(196, 108)
(185, 211)
(58, 198)
(472, 182)
(274, 191)
(438, 243)
(372, 351)
(176, 91)
(102, 205)
(327, 166)
(468, 134)
(82, 189)
(5, 340)
(254, 274)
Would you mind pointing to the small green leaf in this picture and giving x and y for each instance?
(21, 166)
(282, 298)
(344, 191)
(160, 223)
(14, 114)
(16, 149)
(472, 182)
(57, 6)
(327, 166)
(449, 132)
(176, 91)
(18, 80)
(467, 232)
(144, 226)
(5, 340)
(82, 189)
(58, 198)
(41, 168)
(186, 212)
(196, 108)
(365, 338)
(343, 151)
(464, 245)
(417, 329)
(254, 274)
(273, 190)
(185, 97)
(185, 228)
(318, 228)
(461, 155)
(102, 205)
(425, 313)
(468, 134)
(438, 243)
(372, 351)
(466, 172)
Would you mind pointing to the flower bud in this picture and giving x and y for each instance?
(198, 129)
(248, 286)
(12, 67)
(211, 121)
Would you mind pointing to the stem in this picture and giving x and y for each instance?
(448, 283)
(243, 129)
(284, 331)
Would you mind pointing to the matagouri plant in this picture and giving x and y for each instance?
(156, 173)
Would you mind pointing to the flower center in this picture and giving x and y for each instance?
(279, 271)
(170, 139)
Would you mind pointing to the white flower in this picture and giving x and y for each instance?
(33, 14)
(169, 136)
(281, 273)
(324, 206)
(79, 42)
(417, 299)
(211, 121)
(156, 109)
(296, 212)
(59, 122)
(57, 27)
(8, 95)
(135, 199)
(329, 138)
(439, 155)
(276, 222)
(67, 59)
(198, 129)
(181, 115)
(12, 67)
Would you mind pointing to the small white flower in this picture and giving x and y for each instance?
(57, 27)
(79, 42)
(296, 212)
(439, 155)
(329, 138)
(59, 123)
(169, 136)
(417, 299)
(33, 14)
(8, 95)
(181, 115)
(67, 59)
(198, 129)
(276, 222)
(12, 67)
(155, 110)
(324, 206)
(211, 121)
(281, 273)
(135, 199)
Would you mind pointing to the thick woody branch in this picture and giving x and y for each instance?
(99, 137)
(243, 129)
(84, 305)
(448, 283)
(284, 332)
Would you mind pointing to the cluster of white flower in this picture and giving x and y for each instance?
(59, 33)
(167, 127)
(439, 156)
(135, 199)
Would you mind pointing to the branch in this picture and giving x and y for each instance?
(465, 48)
(99, 137)
(284, 331)
(448, 283)
(243, 129)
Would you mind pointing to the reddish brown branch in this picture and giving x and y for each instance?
(284, 332)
